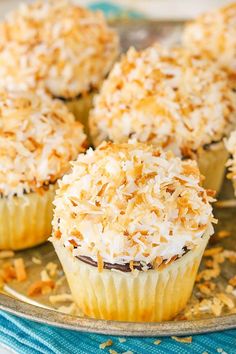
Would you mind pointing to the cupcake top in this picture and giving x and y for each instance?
(168, 97)
(56, 45)
(215, 32)
(131, 203)
(38, 138)
(231, 147)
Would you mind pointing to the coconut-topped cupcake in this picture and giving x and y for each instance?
(58, 46)
(38, 139)
(132, 208)
(231, 146)
(167, 97)
(215, 32)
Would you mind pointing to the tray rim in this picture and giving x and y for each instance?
(118, 328)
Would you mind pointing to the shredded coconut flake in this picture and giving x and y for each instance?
(131, 202)
(57, 46)
(6, 254)
(157, 342)
(183, 339)
(19, 265)
(38, 139)
(108, 343)
(168, 97)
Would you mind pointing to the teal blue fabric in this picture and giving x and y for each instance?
(26, 337)
(113, 10)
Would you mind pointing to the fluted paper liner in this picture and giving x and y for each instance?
(151, 296)
(234, 186)
(26, 221)
(211, 163)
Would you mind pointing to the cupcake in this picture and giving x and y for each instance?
(38, 138)
(231, 164)
(130, 225)
(59, 47)
(171, 98)
(215, 32)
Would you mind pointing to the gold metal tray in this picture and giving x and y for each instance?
(14, 298)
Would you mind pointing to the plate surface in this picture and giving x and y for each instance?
(15, 299)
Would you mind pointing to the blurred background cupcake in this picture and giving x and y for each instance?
(130, 225)
(59, 47)
(171, 98)
(38, 139)
(215, 32)
(231, 164)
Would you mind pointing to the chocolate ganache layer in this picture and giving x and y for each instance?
(121, 267)
(126, 267)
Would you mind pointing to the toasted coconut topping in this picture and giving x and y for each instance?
(131, 202)
(231, 146)
(215, 32)
(55, 45)
(164, 96)
(38, 138)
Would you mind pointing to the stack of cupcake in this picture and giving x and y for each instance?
(57, 47)
(133, 216)
(53, 57)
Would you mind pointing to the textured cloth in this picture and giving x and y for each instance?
(26, 337)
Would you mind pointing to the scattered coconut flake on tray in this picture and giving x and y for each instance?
(212, 296)
(43, 280)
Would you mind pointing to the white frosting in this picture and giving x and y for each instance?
(38, 138)
(57, 46)
(131, 202)
(167, 97)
